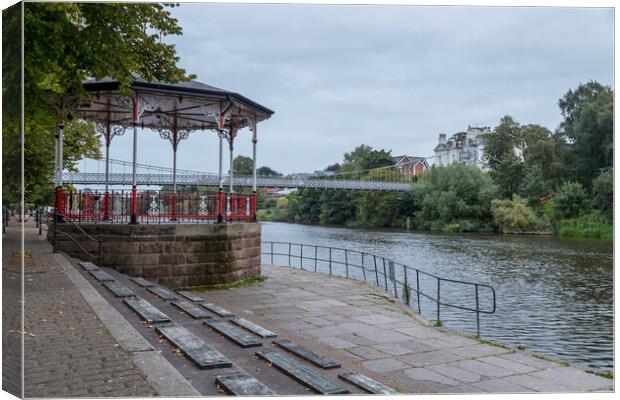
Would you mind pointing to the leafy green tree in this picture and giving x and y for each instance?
(603, 192)
(508, 175)
(337, 206)
(66, 43)
(587, 131)
(457, 194)
(571, 200)
(502, 141)
(534, 184)
(365, 157)
(384, 209)
(304, 205)
(266, 171)
(242, 165)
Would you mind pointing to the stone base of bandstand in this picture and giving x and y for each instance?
(174, 255)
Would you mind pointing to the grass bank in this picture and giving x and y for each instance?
(586, 226)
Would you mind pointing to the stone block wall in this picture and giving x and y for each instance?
(174, 255)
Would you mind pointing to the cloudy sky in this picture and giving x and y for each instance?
(393, 77)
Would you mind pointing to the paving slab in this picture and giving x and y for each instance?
(191, 296)
(118, 289)
(162, 292)
(194, 347)
(102, 276)
(316, 359)
(500, 385)
(301, 373)
(191, 309)
(243, 385)
(233, 333)
(366, 383)
(222, 312)
(88, 266)
(146, 310)
(254, 328)
(142, 282)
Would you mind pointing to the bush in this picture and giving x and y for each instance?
(594, 225)
(515, 216)
(572, 200)
(603, 192)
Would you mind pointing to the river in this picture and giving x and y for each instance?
(554, 295)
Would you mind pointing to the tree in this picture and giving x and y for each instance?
(572, 200)
(364, 157)
(508, 175)
(66, 43)
(534, 184)
(333, 167)
(502, 141)
(457, 194)
(242, 165)
(266, 171)
(603, 192)
(587, 131)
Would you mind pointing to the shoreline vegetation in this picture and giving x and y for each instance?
(534, 182)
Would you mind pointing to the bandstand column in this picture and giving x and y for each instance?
(220, 205)
(134, 190)
(59, 197)
(175, 141)
(106, 195)
(253, 201)
(231, 141)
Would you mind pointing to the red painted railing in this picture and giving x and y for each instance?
(156, 207)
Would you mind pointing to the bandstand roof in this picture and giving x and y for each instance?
(188, 106)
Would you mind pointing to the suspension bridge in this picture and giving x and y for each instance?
(388, 178)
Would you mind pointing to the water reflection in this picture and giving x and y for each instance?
(554, 296)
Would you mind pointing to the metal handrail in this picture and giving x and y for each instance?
(394, 282)
(55, 231)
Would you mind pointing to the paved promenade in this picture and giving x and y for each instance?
(362, 327)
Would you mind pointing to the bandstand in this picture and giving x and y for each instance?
(178, 239)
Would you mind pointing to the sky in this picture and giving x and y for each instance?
(392, 77)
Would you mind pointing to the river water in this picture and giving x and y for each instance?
(554, 295)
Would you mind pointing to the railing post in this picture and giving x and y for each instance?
(407, 285)
(289, 254)
(301, 257)
(363, 268)
(54, 239)
(40, 217)
(438, 298)
(315, 254)
(271, 253)
(330, 261)
(477, 312)
(417, 279)
(385, 275)
(376, 272)
(346, 262)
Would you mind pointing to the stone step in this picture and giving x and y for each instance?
(190, 296)
(142, 282)
(88, 266)
(235, 334)
(118, 289)
(254, 328)
(102, 276)
(191, 309)
(364, 382)
(243, 385)
(146, 310)
(217, 309)
(162, 292)
(194, 347)
(319, 383)
(308, 354)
